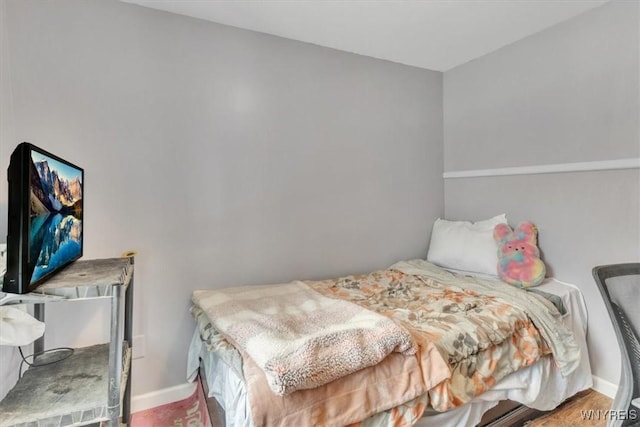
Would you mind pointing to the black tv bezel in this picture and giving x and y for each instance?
(18, 221)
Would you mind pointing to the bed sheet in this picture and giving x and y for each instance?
(540, 386)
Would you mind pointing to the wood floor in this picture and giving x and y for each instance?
(576, 411)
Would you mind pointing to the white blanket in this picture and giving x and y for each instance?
(298, 337)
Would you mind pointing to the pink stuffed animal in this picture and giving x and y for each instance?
(519, 261)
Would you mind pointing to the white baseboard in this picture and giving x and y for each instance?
(604, 387)
(161, 397)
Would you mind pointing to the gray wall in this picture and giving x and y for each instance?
(9, 357)
(225, 157)
(567, 94)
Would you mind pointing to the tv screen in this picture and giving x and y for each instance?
(45, 217)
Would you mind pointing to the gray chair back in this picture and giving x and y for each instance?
(619, 285)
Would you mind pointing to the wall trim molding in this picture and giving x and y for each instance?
(605, 387)
(633, 163)
(163, 396)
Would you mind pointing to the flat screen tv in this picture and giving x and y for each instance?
(44, 229)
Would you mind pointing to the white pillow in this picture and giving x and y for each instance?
(463, 245)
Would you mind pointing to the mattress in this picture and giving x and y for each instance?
(540, 386)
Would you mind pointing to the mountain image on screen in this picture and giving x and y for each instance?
(55, 235)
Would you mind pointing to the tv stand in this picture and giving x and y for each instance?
(93, 385)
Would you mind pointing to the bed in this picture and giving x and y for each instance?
(469, 357)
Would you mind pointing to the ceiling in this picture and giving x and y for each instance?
(433, 34)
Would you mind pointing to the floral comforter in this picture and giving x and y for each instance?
(483, 338)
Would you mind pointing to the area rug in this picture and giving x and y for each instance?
(189, 412)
